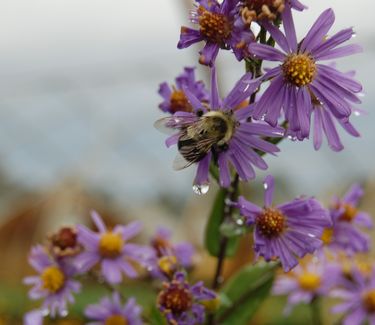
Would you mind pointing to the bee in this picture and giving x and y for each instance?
(210, 132)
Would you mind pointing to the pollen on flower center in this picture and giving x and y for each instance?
(167, 264)
(179, 102)
(110, 244)
(213, 26)
(254, 10)
(327, 236)
(368, 300)
(53, 279)
(299, 69)
(175, 298)
(349, 213)
(309, 281)
(116, 320)
(270, 223)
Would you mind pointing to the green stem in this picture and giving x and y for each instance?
(316, 314)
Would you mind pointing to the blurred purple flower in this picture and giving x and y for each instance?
(300, 86)
(287, 231)
(54, 283)
(217, 29)
(168, 256)
(221, 133)
(33, 317)
(111, 248)
(345, 235)
(112, 311)
(309, 280)
(175, 99)
(181, 303)
(359, 299)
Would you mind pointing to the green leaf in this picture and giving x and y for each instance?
(156, 318)
(246, 291)
(213, 235)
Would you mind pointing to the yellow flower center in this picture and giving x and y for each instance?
(214, 27)
(368, 300)
(270, 223)
(116, 320)
(327, 236)
(299, 69)
(110, 244)
(53, 279)
(309, 281)
(349, 213)
(167, 264)
(179, 102)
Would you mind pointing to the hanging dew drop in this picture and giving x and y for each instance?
(64, 313)
(201, 189)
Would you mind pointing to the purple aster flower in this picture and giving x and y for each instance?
(260, 10)
(112, 311)
(217, 29)
(358, 298)
(168, 256)
(181, 303)
(300, 84)
(53, 283)
(221, 133)
(344, 234)
(311, 279)
(110, 248)
(175, 99)
(286, 231)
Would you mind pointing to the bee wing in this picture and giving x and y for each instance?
(180, 162)
(170, 123)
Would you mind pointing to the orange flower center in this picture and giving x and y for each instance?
(179, 102)
(53, 279)
(175, 298)
(116, 320)
(270, 223)
(349, 213)
(327, 236)
(254, 10)
(110, 244)
(214, 27)
(368, 300)
(299, 69)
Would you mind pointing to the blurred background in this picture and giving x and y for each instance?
(78, 98)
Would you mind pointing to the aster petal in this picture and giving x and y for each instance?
(318, 128)
(86, 260)
(33, 317)
(261, 129)
(265, 103)
(214, 98)
(172, 140)
(203, 170)
(248, 209)
(266, 52)
(290, 31)
(131, 229)
(363, 219)
(318, 31)
(98, 221)
(165, 91)
(304, 108)
(341, 52)
(188, 36)
(244, 169)
(225, 178)
(348, 127)
(111, 271)
(193, 100)
(354, 194)
(269, 187)
(356, 317)
(333, 138)
(87, 238)
(332, 42)
(278, 36)
(208, 54)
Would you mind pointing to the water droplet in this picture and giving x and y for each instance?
(45, 312)
(265, 185)
(293, 138)
(240, 221)
(354, 35)
(64, 313)
(201, 189)
(357, 113)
